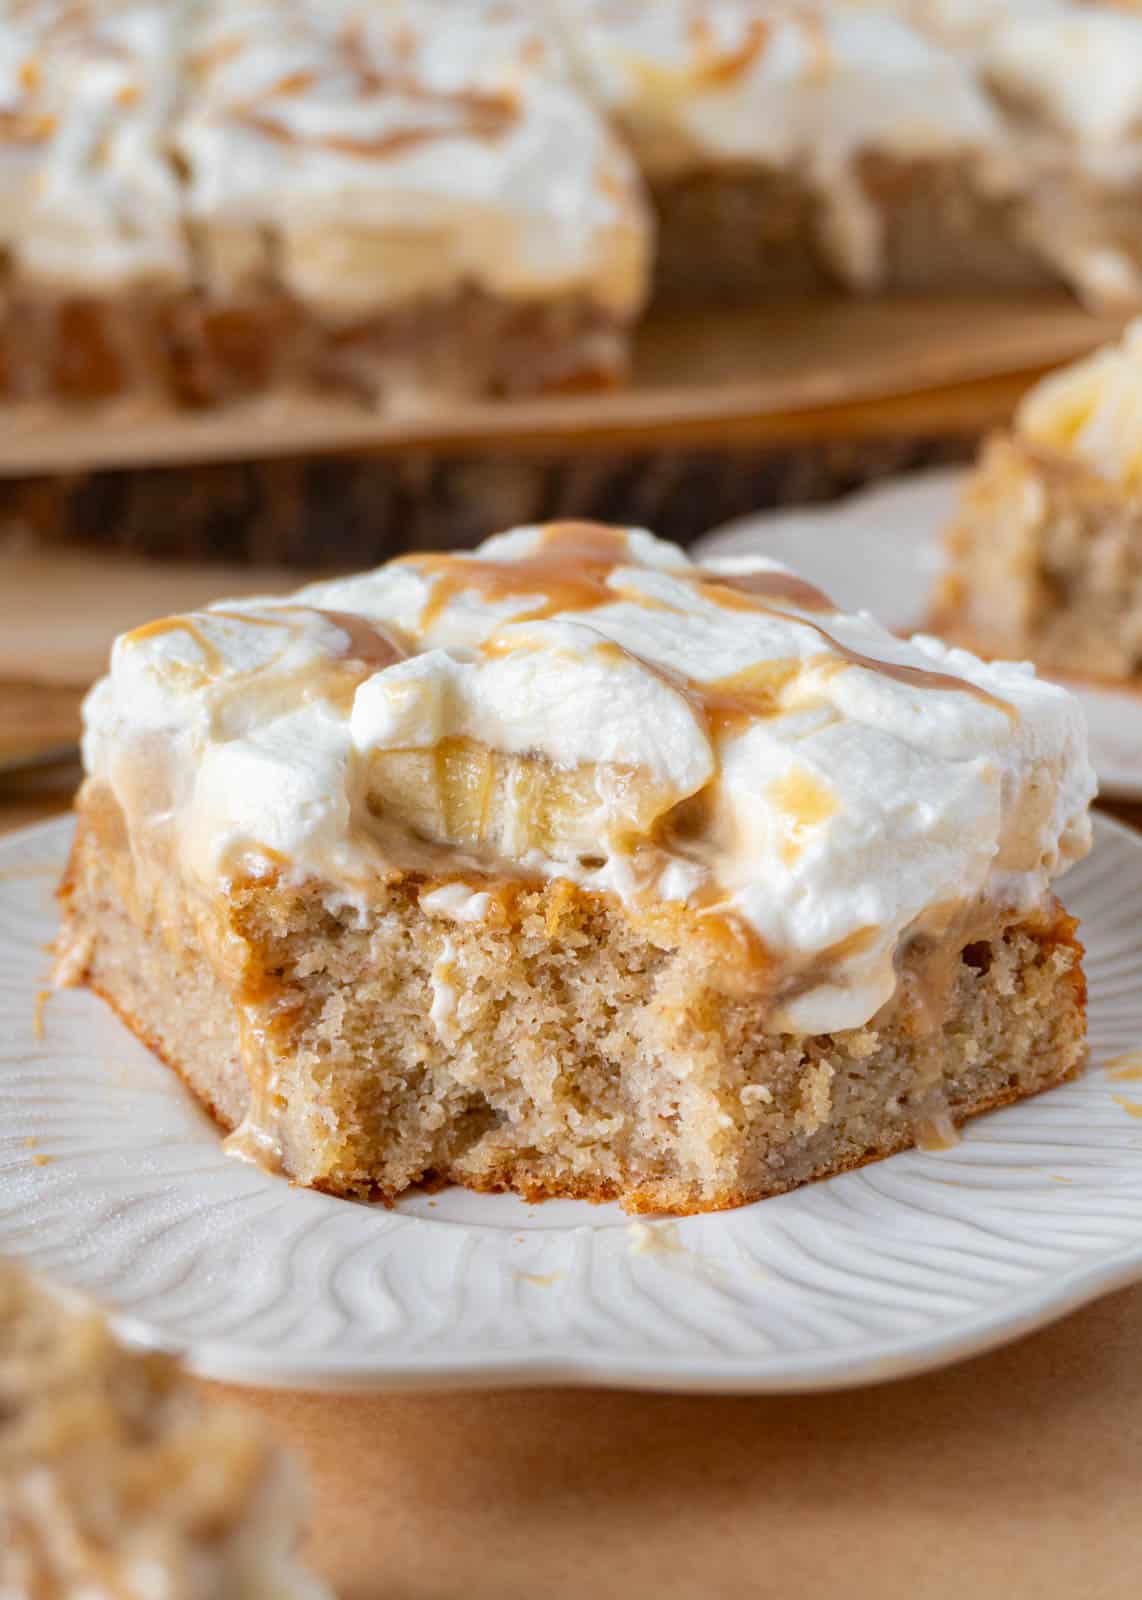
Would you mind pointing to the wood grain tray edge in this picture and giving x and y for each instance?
(723, 375)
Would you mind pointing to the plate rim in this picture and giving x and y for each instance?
(871, 1361)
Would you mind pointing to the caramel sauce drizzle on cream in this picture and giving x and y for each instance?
(758, 586)
(716, 67)
(467, 113)
(570, 571)
(745, 589)
(367, 642)
(484, 123)
(211, 656)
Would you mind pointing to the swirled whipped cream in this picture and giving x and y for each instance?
(402, 149)
(1092, 410)
(585, 703)
(966, 24)
(87, 90)
(1078, 67)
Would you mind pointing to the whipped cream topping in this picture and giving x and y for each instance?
(364, 154)
(1092, 410)
(585, 703)
(963, 23)
(1038, 100)
(87, 91)
(1077, 68)
(783, 85)
(454, 130)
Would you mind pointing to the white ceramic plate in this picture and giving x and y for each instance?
(879, 551)
(112, 1179)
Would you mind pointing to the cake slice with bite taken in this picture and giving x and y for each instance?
(571, 867)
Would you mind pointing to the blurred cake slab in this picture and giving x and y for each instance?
(216, 198)
(728, 411)
(314, 252)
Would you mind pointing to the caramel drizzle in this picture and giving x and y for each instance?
(367, 642)
(212, 656)
(26, 127)
(570, 570)
(748, 587)
(469, 113)
(715, 67)
(914, 677)
(782, 585)
(723, 705)
(486, 125)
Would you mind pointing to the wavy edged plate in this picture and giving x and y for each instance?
(879, 550)
(112, 1179)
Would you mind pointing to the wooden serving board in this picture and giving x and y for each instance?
(713, 378)
(727, 413)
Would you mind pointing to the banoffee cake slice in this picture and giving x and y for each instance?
(1044, 555)
(571, 867)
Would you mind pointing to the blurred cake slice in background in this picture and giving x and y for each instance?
(786, 145)
(90, 212)
(406, 201)
(946, 145)
(1045, 553)
(1070, 85)
(964, 24)
(117, 1479)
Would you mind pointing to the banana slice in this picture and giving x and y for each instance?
(464, 794)
(577, 752)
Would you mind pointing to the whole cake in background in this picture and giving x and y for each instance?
(574, 868)
(116, 1479)
(1044, 556)
(406, 200)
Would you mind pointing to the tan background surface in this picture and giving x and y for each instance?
(1016, 1474)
